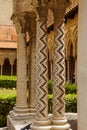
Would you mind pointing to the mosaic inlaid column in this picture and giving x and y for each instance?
(59, 121)
(41, 121)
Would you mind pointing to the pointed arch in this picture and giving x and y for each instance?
(6, 67)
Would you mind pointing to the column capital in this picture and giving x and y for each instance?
(58, 7)
(58, 4)
(42, 11)
(23, 21)
(19, 22)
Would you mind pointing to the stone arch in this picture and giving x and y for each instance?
(68, 50)
(68, 41)
(6, 67)
(70, 62)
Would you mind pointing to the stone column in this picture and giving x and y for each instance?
(21, 107)
(21, 102)
(11, 63)
(11, 69)
(41, 121)
(75, 70)
(82, 66)
(1, 68)
(68, 70)
(59, 121)
(32, 68)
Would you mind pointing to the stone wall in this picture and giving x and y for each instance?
(5, 12)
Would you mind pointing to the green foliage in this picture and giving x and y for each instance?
(50, 103)
(7, 101)
(7, 93)
(50, 85)
(8, 81)
(70, 88)
(6, 105)
(71, 103)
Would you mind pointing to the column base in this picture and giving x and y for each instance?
(60, 124)
(61, 127)
(41, 125)
(21, 109)
(21, 116)
(32, 110)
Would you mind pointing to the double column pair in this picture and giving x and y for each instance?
(58, 120)
(42, 122)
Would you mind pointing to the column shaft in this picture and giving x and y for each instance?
(21, 100)
(32, 73)
(1, 69)
(41, 121)
(59, 120)
(59, 73)
(68, 70)
(11, 69)
(42, 71)
(82, 66)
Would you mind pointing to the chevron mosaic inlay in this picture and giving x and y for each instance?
(42, 70)
(58, 72)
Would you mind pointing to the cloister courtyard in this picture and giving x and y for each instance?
(43, 65)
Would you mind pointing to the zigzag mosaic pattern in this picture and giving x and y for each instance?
(58, 73)
(42, 70)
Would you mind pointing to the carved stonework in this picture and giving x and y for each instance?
(58, 73)
(17, 24)
(42, 71)
(58, 4)
(59, 121)
(22, 6)
(22, 22)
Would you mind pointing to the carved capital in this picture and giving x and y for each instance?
(42, 9)
(59, 7)
(19, 22)
(23, 21)
(55, 4)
